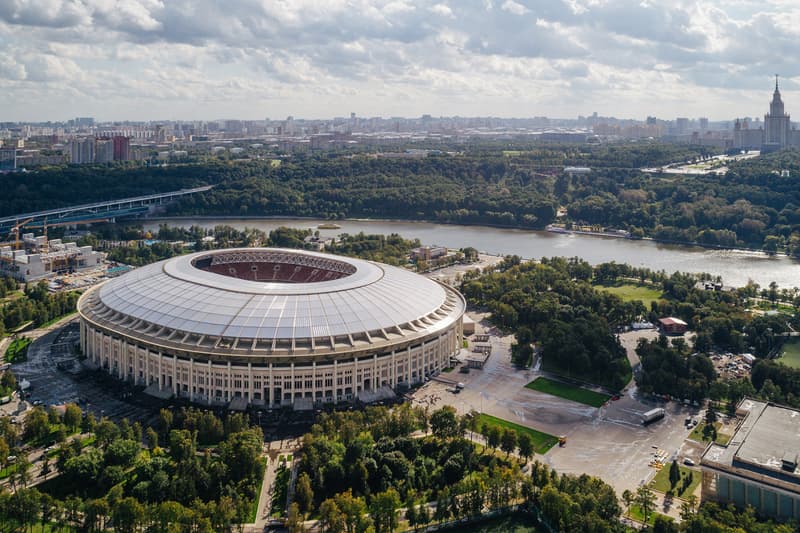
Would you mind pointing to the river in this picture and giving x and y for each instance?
(736, 267)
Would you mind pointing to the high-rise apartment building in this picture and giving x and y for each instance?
(122, 148)
(81, 151)
(104, 151)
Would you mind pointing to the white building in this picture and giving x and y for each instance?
(271, 327)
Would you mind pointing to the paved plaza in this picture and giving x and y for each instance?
(609, 442)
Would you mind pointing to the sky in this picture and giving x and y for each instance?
(256, 59)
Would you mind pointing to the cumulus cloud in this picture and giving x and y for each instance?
(326, 57)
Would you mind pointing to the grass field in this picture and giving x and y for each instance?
(697, 434)
(635, 512)
(630, 292)
(790, 354)
(570, 392)
(541, 441)
(253, 515)
(17, 351)
(661, 481)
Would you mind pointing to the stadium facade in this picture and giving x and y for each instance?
(270, 327)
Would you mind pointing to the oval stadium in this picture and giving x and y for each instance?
(271, 327)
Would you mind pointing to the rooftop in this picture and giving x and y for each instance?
(764, 446)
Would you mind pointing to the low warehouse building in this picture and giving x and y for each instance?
(759, 466)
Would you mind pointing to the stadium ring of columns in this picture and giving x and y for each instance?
(270, 326)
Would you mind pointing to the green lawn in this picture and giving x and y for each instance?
(570, 392)
(697, 434)
(790, 354)
(17, 351)
(541, 441)
(254, 504)
(661, 482)
(629, 292)
(635, 512)
(278, 504)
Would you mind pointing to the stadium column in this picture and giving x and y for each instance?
(175, 375)
(160, 372)
(229, 388)
(249, 382)
(376, 378)
(356, 386)
(271, 387)
(191, 379)
(136, 366)
(209, 383)
(314, 381)
(410, 363)
(393, 371)
(291, 396)
(336, 388)
(123, 356)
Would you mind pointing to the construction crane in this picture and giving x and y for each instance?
(15, 230)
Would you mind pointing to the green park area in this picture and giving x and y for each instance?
(630, 292)
(661, 482)
(570, 392)
(698, 436)
(18, 350)
(790, 353)
(635, 512)
(542, 442)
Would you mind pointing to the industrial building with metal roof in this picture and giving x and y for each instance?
(271, 326)
(759, 466)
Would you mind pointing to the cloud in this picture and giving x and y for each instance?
(513, 7)
(326, 57)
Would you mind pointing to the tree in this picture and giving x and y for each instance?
(152, 438)
(508, 441)
(646, 501)
(493, 436)
(525, 445)
(294, 519)
(664, 524)
(37, 424)
(89, 423)
(72, 416)
(444, 423)
(164, 424)
(411, 515)
(94, 514)
(128, 515)
(331, 518)
(354, 511)
(303, 493)
(674, 473)
(384, 511)
(627, 498)
(106, 432)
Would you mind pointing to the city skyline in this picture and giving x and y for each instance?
(146, 59)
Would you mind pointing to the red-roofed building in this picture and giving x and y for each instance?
(672, 326)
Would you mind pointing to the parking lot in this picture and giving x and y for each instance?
(57, 377)
(609, 442)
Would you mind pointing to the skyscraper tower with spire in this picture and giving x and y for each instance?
(777, 125)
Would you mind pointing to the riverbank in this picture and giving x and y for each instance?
(735, 267)
(550, 228)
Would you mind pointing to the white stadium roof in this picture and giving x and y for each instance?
(369, 299)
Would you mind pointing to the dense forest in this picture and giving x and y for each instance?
(108, 478)
(358, 469)
(553, 304)
(750, 205)
(32, 304)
